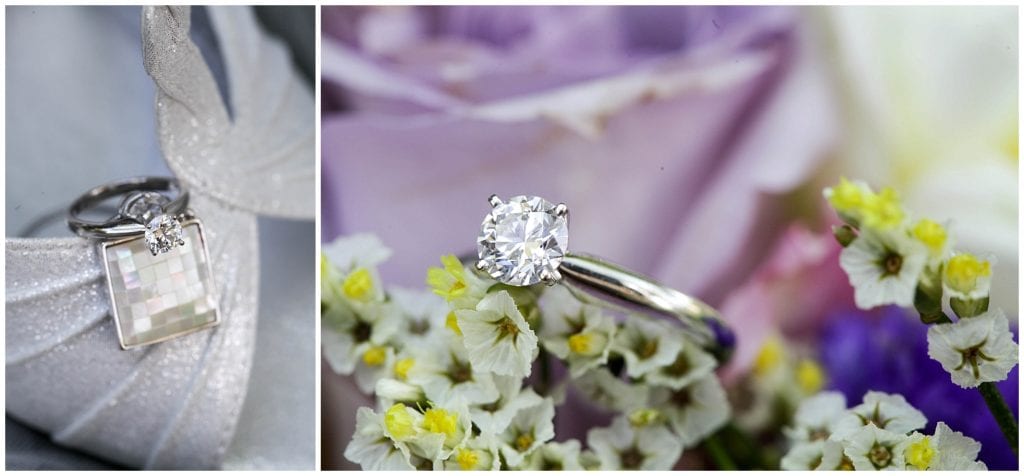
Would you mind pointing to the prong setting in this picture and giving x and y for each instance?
(494, 200)
(561, 210)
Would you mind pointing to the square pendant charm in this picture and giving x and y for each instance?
(158, 297)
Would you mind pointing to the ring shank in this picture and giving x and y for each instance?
(120, 226)
(624, 288)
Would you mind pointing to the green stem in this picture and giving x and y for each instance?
(718, 453)
(545, 371)
(1004, 417)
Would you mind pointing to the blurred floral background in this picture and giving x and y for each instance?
(692, 144)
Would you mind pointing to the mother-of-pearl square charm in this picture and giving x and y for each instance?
(158, 297)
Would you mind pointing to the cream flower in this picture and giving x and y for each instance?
(967, 277)
(816, 416)
(623, 447)
(947, 450)
(610, 392)
(974, 349)
(390, 391)
(494, 417)
(528, 430)
(883, 268)
(445, 373)
(695, 411)
(457, 284)
(372, 449)
(691, 363)
(814, 455)
(647, 345)
(871, 448)
(357, 338)
(884, 411)
(554, 456)
(442, 429)
(497, 337)
(577, 333)
(348, 268)
(478, 453)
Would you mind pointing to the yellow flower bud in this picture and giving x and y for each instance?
(932, 234)
(358, 286)
(375, 356)
(403, 366)
(769, 357)
(399, 423)
(452, 323)
(439, 420)
(920, 453)
(810, 376)
(846, 197)
(467, 459)
(450, 282)
(883, 211)
(587, 343)
(967, 275)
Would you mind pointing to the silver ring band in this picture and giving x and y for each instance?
(122, 224)
(524, 241)
(590, 276)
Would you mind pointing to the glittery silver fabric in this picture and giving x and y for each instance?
(155, 297)
(174, 404)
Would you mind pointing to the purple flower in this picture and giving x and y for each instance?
(887, 350)
(672, 133)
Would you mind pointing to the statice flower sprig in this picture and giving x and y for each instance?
(454, 372)
(882, 433)
(892, 258)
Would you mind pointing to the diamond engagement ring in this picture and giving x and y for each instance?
(155, 256)
(524, 241)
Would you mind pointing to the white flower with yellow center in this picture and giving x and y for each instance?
(871, 448)
(442, 430)
(528, 430)
(358, 338)
(445, 373)
(813, 455)
(478, 453)
(883, 267)
(348, 268)
(947, 450)
(816, 417)
(884, 411)
(967, 277)
(695, 411)
(494, 417)
(646, 345)
(497, 337)
(577, 333)
(372, 449)
(374, 364)
(974, 349)
(691, 363)
(602, 388)
(625, 447)
(554, 456)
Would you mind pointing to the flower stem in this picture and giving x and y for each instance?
(1004, 417)
(718, 453)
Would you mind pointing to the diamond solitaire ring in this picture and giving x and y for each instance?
(524, 241)
(157, 264)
